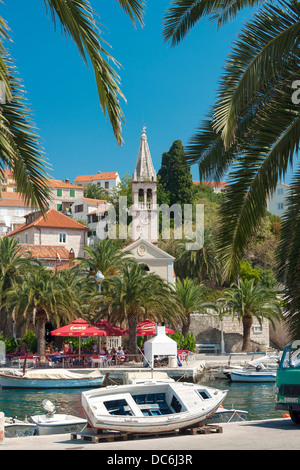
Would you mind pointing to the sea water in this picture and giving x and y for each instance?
(256, 398)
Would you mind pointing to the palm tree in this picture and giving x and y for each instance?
(42, 296)
(106, 257)
(13, 265)
(248, 300)
(19, 143)
(93, 191)
(253, 129)
(133, 295)
(190, 297)
(202, 264)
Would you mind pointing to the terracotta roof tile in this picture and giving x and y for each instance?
(100, 176)
(62, 184)
(46, 252)
(216, 184)
(12, 199)
(52, 219)
(93, 201)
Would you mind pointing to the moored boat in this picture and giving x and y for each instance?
(227, 415)
(52, 423)
(262, 369)
(253, 376)
(150, 407)
(14, 427)
(45, 378)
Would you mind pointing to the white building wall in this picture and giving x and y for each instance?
(276, 202)
(74, 239)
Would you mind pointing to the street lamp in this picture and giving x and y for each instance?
(99, 278)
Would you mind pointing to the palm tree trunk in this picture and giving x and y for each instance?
(41, 325)
(247, 324)
(186, 324)
(132, 324)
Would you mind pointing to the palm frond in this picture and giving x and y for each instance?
(183, 15)
(288, 269)
(135, 10)
(19, 142)
(265, 45)
(77, 20)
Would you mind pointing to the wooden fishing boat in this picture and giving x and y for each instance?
(45, 378)
(150, 407)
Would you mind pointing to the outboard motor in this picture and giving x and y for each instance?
(49, 407)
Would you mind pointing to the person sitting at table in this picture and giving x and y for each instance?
(66, 348)
(121, 354)
(70, 348)
(113, 354)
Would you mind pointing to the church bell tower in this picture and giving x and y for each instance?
(144, 195)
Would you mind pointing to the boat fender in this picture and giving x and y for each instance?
(179, 363)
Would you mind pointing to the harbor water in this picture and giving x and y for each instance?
(256, 398)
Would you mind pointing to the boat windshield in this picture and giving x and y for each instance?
(152, 404)
(291, 356)
(118, 407)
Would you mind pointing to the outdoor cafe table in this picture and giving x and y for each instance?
(75, 357)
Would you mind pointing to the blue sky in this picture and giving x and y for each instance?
(170, 89)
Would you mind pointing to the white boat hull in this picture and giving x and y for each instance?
(58, 424)
(194, 408)
(17, 428)
(253, 377)
(225, 415)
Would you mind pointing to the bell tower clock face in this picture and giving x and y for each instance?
(145, 219)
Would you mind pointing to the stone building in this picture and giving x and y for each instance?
(209, 330)
(52, 229)
(144, 214)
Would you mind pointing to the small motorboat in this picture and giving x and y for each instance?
(227, 415)
(150, 407)
(14, 427)
(253, 376)
(51, 423)
(45, 378)
(263, 368)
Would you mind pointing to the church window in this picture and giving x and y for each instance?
(149, 195)
(141, 195)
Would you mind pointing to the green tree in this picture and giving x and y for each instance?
(248, 300)
(133, 295)
(20, 148)
(106, 257)
(248, 272)
(253, 128)
(191, 298)
(13, 265)
(42, 296)
(175, 178)
(93, 191)
(202, 264)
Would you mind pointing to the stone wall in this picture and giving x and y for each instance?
(207, 329)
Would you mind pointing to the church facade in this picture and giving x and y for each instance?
(145, 213)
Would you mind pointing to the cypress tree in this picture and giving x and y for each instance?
(175, 176)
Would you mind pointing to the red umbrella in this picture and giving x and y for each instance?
(109, 328)
(80, 328)
(147, 328)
